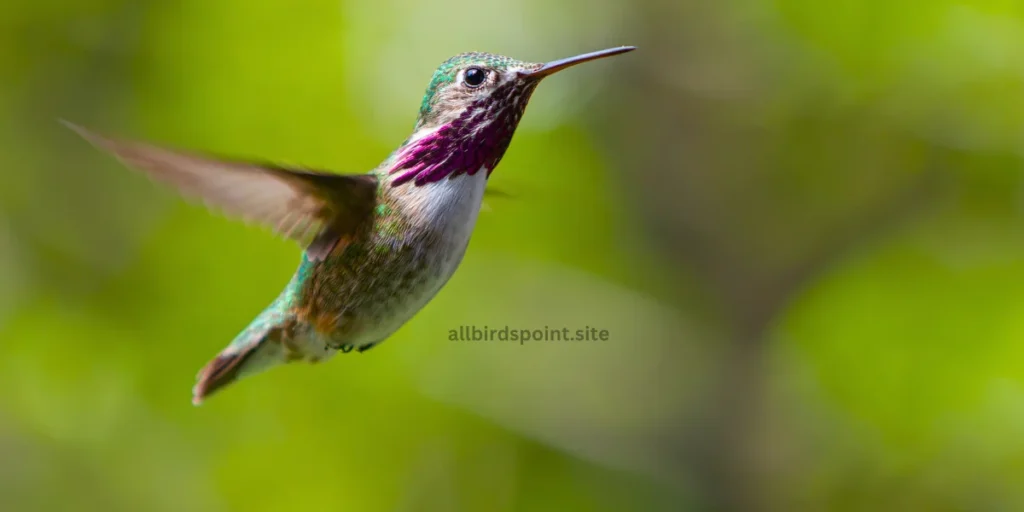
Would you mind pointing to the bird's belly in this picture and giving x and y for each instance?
(372, 289)
(402, 297)
(383, 319)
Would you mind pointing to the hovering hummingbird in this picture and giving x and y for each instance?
(377, 246)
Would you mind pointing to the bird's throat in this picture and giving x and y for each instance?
(475, 140)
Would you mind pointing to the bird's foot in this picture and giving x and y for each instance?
(348, 347)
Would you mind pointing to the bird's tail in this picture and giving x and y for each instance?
(258, 348)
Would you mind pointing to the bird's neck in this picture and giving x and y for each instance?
(454, 149)
(435, 205)
(473, 141)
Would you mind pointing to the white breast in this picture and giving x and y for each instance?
(449, 208)
(452, 205)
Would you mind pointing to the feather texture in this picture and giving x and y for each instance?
(315, 209)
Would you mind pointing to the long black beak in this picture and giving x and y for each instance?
(558, 65)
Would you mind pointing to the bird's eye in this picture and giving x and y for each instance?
(474, 77)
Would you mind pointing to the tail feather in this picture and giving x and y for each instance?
(254, 351)
(219, 373)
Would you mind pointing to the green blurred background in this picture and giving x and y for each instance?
(801, 222)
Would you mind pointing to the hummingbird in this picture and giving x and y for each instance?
(378, 246)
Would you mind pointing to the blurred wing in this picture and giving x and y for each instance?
(491, 192)
(315, 209)
(496, 193)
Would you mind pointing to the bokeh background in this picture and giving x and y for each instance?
(801, 222)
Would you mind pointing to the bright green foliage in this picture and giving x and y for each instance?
(664, 196)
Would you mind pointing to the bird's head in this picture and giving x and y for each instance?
(469, 113)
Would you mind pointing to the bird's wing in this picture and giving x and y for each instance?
(316, 209)
(496, 193)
